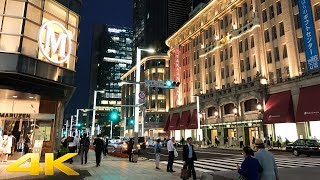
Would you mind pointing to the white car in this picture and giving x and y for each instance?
(150, 143)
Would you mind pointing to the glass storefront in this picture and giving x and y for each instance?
(315, 129)
(21, 113)
(286, 130)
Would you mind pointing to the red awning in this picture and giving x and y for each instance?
(166, 126)
(194, 120)
(174, 121)
(279, 109)
(184, 121)
(309, 104)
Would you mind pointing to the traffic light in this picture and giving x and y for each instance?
(131, 122)
(171, 84)
(114, 115)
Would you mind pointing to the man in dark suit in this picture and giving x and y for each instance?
(98, 142)
(189, 156)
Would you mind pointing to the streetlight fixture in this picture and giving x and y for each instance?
(77, 116)
(259, 107)
(94, 110)
(137, 91)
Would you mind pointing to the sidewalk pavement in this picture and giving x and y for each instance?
(112, 168)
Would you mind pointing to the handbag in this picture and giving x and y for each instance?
(176, 153)
(184, 173)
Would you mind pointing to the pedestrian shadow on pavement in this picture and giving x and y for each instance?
(61, 175)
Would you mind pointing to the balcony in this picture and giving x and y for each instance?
(245, 28)
(232, 91)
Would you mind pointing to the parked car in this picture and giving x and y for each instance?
(142, 142)
(289, 147)
(150, 143)
(305, 146)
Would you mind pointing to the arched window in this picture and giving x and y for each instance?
(250, 105)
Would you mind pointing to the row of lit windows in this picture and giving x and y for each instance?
(271, 12)
(274, 34)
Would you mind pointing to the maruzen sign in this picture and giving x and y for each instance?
(56, 48)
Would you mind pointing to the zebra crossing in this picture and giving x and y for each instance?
(229, 164)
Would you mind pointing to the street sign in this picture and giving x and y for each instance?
(142, 95)
(152, 83)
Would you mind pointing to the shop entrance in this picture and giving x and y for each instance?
(252, 132)
(41, 132)
(214, 133)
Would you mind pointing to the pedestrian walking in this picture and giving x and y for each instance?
(14, 143)
(250, 167)
(182, 141)
(241, 141)
(226, 142)
(271, 141)
(98, 143)
(84, 148)
(253, 140)
(72, 146)
(189, 156)
(106, 144)
(232, 141)
(287, 141)
(27, 143)
(130, 148)
(157, 151)
(216, 141)
(279, 142)
(267, 162)
(171, 149)
(6, 147)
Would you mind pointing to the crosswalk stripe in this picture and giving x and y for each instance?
(196, 168)
(229, 164)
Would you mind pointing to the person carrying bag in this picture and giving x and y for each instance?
(189, 156)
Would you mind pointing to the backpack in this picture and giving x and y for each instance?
(85, 142)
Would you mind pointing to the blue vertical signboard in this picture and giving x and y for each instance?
(309, 38)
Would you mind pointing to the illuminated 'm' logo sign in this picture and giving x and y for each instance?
(54, 47)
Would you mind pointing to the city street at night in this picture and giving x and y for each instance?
(221, 163)
(160, 89)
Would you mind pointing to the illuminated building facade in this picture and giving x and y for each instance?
(156, 102)
(38, 46)
(254, 65)
(111, 57)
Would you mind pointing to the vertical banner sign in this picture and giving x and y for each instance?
(309, 38)
(177, 74)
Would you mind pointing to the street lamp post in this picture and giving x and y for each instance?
(137, 91)
(235, 111)
(78, 113)
(111, 130)
(199, 131)
(70, 128)
(94, 110)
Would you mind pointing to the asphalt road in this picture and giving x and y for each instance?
(222, 163)
(209, 153)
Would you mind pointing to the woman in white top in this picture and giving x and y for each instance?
(7, 146)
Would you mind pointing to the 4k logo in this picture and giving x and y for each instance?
(49, 166)
(56, 50)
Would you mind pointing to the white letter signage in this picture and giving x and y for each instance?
(54, 49)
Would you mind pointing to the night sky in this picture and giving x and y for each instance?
(113, 12)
